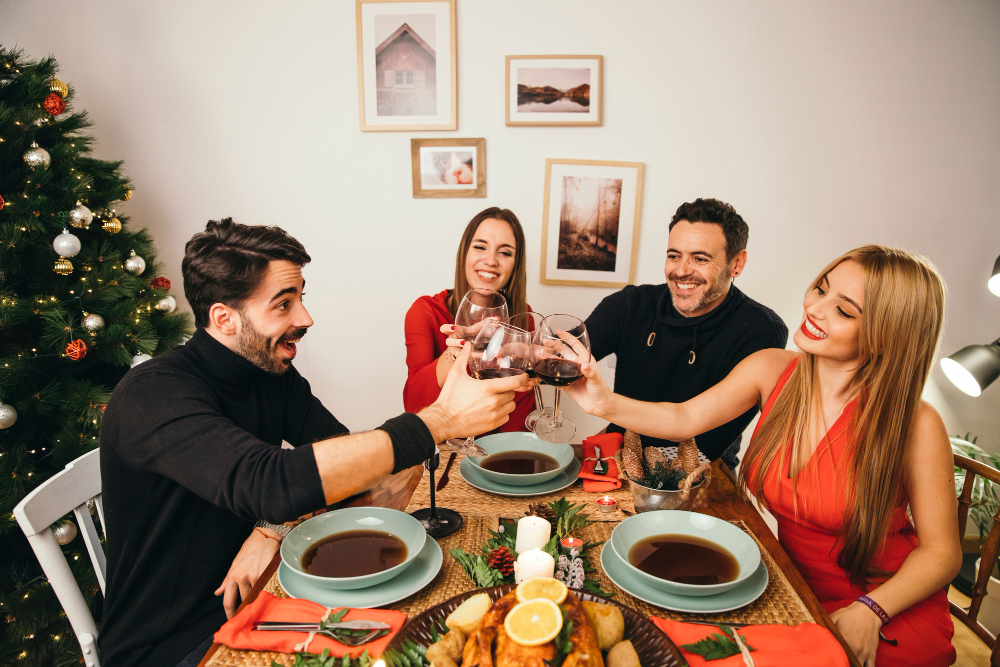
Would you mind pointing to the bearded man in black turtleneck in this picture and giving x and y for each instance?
(676, 340)
(191, 451)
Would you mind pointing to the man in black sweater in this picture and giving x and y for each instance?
(674, 341)
(191, 451)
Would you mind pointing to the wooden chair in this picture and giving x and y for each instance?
(70, 489)
(989, 552)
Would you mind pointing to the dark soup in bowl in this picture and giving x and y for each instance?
(685, 559)
(519, 463)
(354, 553)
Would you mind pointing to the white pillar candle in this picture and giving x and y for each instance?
(532, 533)
(534, 563)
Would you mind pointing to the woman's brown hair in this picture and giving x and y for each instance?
(516, 287)
(898, 338)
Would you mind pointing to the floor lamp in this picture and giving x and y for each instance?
(975, 367)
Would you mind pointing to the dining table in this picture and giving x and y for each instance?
(787, 600)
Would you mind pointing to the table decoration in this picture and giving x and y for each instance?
(533, 532)
(607, 504)
(534, 563)
(773, 645)
(572, 563)
(608, 444)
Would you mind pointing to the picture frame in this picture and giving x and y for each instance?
(590, 223)
(446, 168)
(554, 90)
(407, 65)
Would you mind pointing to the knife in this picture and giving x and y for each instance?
(444, 476)
(345, 625)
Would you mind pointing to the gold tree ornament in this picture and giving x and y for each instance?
(57, 86)
(63, 266)
(127, 195)
(112, 225)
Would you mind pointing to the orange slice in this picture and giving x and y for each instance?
(534, 622)
(541, 587)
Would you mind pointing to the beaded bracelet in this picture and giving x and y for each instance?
(875, 607)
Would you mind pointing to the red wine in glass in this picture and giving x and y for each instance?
(530, 322)
(558, 372)
(561, 345)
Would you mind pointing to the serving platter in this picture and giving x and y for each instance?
(653, 647)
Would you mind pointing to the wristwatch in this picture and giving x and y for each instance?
(279, 529)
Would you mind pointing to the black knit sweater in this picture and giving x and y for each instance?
(664, 356)
(191, 457)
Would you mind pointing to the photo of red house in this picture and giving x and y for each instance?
(405, 74)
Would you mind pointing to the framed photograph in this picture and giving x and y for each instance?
(554, 90)
(448, 168)
(407, 74)
(590, 225)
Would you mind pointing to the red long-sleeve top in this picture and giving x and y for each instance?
(424, 344)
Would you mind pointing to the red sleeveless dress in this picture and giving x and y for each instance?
(923, 631)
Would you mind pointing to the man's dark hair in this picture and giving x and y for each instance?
(227, 262)
(720, 213)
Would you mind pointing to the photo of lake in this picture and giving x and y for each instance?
(553, 89)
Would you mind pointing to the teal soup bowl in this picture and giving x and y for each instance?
(501, 445)
(689, 547)
(365, 537)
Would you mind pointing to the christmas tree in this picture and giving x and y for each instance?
(79, 305)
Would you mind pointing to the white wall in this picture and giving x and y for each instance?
(827, 125)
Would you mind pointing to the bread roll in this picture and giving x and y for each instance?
(608, 623)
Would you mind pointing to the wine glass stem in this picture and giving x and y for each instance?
(538, 398)
(433, 507)
(556, 417)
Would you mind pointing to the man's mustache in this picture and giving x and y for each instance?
(686, 279)
(295, 335)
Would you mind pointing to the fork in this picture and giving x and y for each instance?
(350, 640)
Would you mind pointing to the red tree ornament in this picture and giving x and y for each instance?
(54, 104)
(1, 203)
(76, 350)
(161, 283)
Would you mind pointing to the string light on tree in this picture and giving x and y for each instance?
(92, 322)
(81, 216)
(36, 156)
(64, 531)
(8, 415)
(167, 304)
(135, 264)
(66, 244)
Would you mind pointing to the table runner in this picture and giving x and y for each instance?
(778, 604)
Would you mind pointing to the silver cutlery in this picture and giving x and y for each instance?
(343, 625)
(345, 633)
(599, 467)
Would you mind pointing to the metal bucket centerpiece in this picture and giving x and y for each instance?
(659, 483)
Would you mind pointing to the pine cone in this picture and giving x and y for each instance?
(542, 511)
(502, 560)
(633, 443)
(687, 452)
(654, 456)
(633, 465)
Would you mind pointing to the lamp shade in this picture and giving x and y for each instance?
(994, 283)
(973, 368)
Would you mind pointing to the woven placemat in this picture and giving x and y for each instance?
(779, 604)
(470, 501)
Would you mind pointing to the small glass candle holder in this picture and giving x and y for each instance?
(607, 504)
(571, 543)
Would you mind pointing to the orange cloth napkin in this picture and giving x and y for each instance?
(609, 443)
(238, 631)
(774, 645)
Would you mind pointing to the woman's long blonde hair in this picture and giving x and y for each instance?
(897, 343)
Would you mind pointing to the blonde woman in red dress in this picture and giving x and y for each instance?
(490, 256)
(843, 446)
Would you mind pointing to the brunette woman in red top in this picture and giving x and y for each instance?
(844, 444)
(490, 256)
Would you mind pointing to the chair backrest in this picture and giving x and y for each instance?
(988, 555)
(69, 489)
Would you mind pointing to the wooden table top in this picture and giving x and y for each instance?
(723, 499)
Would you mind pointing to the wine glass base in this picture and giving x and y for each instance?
(533, 417)
(549, 432)
(445, 523)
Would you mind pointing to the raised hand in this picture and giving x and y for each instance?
(591, 392)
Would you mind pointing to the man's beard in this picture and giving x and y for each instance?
(714, 291)
(262, 351)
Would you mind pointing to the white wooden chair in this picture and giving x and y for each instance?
(70, 489)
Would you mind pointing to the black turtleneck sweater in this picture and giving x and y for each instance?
(664, 356)
(191, 457)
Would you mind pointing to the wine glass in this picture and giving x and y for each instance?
(500, 350)
(437, 521)
(477, 307)
(561, 346)
(530, 322)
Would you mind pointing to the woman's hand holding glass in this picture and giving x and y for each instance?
(562, 345)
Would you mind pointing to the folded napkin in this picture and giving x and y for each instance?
(774, 645)
(609, 443)
(238, 631)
